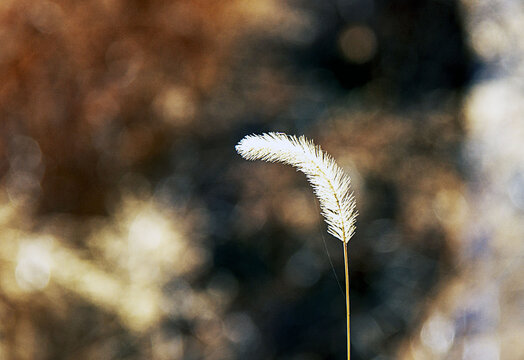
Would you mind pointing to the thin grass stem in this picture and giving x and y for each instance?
(348, 309)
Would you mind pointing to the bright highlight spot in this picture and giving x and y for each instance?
(148, 231)
(438, 334)
(481, 349)
(33, 270)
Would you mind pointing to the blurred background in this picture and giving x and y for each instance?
(130, 228)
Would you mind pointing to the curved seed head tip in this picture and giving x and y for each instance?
(331, 185)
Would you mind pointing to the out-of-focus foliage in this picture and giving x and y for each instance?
(97, 262)
(130, 229)
(91, 90)
(479, 313)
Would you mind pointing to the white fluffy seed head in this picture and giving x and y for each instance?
(330, 184)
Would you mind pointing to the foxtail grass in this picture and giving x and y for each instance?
(330, 184)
